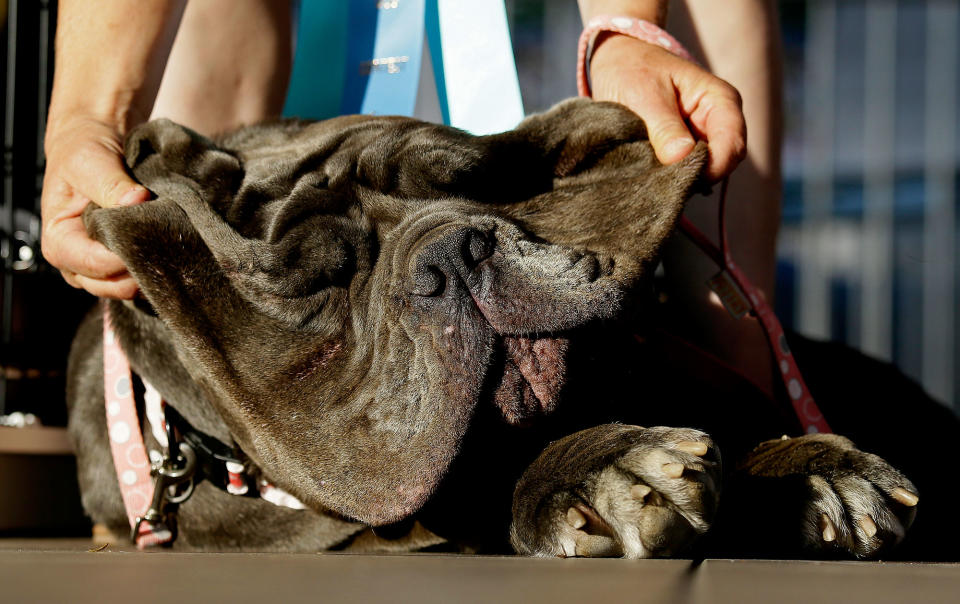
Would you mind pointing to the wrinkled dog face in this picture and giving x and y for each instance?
(347, 292)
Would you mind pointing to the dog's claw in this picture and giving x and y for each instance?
(575, 518)
(827, 530)
(692, 447)
(868, 525)
(905, 497)
(640, 491)
(673, 470)
(597, 546)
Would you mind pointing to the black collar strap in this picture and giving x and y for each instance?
(225, 467)
(217, 462)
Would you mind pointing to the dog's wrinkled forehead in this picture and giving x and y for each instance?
(346, 291)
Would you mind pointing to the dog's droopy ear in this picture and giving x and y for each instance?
(575, 133)
(285, 260)
(157, 240)
(610, 195)
(161, 151)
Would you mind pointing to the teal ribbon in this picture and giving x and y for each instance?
(382, 46)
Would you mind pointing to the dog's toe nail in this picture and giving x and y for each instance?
(597, 546)
(827, 529)
(868, 525)
(640, 491)
(692, 447)
(575, 518)
(905, 497)
(673, 470)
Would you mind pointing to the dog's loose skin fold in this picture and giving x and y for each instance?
(348, 300)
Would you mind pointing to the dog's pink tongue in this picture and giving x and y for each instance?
(533, 376)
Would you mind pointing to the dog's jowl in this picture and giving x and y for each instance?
(403, 336)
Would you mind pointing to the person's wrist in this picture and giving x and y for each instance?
(639, 36)
(604, 27)
(68, 123)
(609, 46)
(66, 119)
(110, 96)
(118, 112)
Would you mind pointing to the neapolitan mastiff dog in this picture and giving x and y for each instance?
(426, 337)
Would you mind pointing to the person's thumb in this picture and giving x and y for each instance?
(99, 175)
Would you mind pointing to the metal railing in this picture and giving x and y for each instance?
(872, 234)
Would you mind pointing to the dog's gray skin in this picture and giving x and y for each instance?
(344, 299)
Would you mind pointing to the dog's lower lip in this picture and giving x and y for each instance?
(534, 373)
(540, 361)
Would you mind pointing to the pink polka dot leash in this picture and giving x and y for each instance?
(137, 486)
(733, 287)
(153, 485)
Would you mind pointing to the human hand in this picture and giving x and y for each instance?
(679, 101)
(84, 164)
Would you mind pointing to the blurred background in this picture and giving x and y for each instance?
(868, 251)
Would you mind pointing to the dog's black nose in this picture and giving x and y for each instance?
(447, 253)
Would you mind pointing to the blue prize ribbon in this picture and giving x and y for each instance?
(385, 44)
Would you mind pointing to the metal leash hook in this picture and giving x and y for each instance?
(174, 471)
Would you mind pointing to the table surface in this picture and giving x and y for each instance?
(70, 570)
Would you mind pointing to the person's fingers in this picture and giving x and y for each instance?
(118, 284)
(718, 119)
(67, 246)
(97, 172)
(71, 279)
(121, 288)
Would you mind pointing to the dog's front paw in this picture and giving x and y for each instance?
(852, 503)
(618, 490)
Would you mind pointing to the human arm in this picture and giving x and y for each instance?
(110, 56)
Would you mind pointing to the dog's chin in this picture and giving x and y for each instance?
(534, 372)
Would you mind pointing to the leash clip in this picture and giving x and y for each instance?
(173, 484)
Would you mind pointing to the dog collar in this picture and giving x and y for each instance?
(735, 290)
(153, 485)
